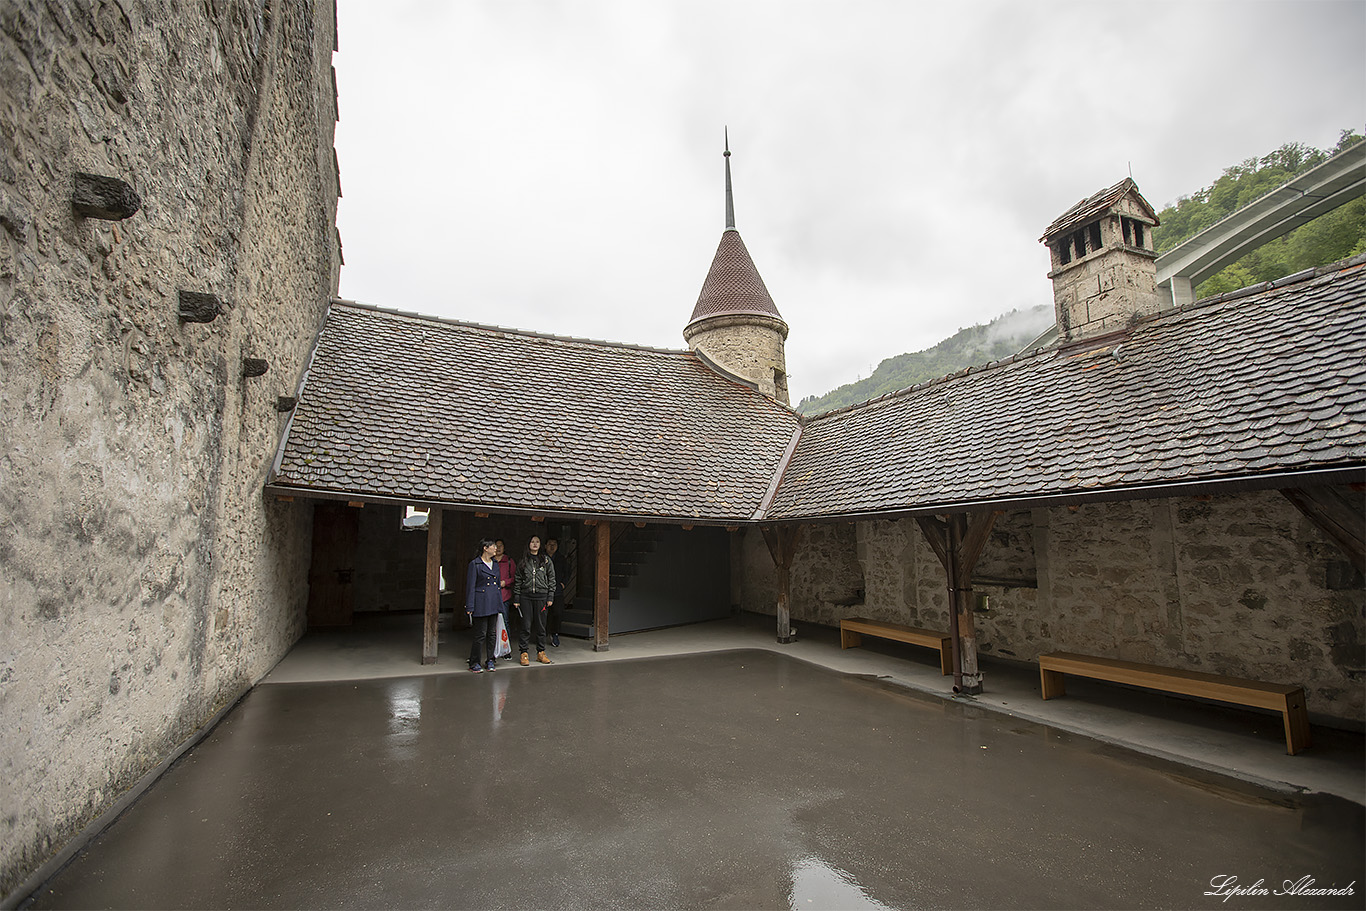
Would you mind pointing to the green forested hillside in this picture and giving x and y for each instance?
(1330, 237)
(999, 338)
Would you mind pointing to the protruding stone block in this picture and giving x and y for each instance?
(109, 198)
(199, 307)
(254, 366)
(285, 403)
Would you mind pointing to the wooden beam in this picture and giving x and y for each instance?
(432, 606)
(463, 546)
(1334, 513)
(603, 586)
(98, 196)
(197, 306)
(782, 547)
(937, 536)
(975, 538)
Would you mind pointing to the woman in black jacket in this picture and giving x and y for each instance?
(533, 590)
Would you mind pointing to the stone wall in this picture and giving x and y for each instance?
(1241, 585)
(751, 347)
(144, 580)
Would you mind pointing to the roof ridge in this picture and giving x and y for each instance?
(1251, 290)
(916, 387)
(505, 330)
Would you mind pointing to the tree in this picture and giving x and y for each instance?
(1331, 237)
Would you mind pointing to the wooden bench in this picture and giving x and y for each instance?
(1288, 700)
(853, 629)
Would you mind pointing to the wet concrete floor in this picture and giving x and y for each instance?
(738, 779)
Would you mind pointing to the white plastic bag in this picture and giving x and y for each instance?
(504, 647)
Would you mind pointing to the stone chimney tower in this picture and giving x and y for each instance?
(1104, 265)
(735, 323)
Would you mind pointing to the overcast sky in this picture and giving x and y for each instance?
(556, 165)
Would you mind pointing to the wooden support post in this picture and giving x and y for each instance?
(463, 546)
(958, 543)
(433, 602)
(782, 546)
(603, 586)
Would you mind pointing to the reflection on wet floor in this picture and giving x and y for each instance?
(728, 779)
(816, 884)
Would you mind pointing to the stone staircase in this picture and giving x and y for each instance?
(630, 551)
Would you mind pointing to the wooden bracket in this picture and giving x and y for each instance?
(199, 307)
(108, 198)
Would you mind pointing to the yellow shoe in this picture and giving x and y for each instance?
(525, 660)
(540, 656)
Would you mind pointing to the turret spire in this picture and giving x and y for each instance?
(730, 198)
(735, 323)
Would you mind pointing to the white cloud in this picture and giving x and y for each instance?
(556, 166)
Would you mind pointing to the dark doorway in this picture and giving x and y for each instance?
(331, 588)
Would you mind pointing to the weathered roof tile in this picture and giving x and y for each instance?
(1222, 389)
(432, 410)
(440, 411)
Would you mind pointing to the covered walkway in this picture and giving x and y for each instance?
(709, 766)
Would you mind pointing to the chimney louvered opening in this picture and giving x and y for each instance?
(1079, 243)
(1134, 235)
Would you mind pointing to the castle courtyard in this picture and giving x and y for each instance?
(706, 766)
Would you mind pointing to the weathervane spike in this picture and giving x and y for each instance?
(730, 199)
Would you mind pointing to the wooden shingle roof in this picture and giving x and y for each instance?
(428, 410)
(733, 286)
(1267, 382)
(1094, 206)
(1261, 387)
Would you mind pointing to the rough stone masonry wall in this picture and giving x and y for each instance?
(144, 580)
(1106, 291)
(1239, 585)
(750, 347)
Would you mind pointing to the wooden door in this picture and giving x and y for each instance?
(331, 590)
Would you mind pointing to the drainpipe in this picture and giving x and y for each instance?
(954, 548)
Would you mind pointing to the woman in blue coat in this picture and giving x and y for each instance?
(483, 604)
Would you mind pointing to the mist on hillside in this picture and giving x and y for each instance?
(969, 347)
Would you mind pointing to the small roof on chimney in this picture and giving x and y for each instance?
(1094, 206)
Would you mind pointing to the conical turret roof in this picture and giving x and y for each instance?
(733, 286)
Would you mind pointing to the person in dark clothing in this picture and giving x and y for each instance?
(533, 590)
(483, 604)
(556, 609)
(507, 569)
